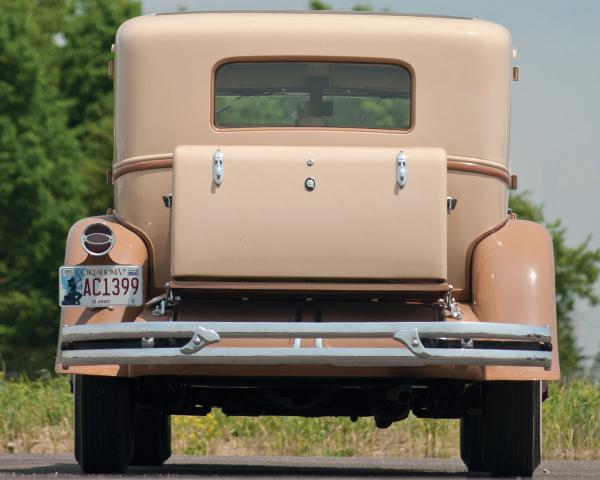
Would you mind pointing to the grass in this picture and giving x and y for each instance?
(217, 434)
(37, 417)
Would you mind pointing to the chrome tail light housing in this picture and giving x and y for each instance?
(97, 239)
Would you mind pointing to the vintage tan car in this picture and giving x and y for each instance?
(310, 219)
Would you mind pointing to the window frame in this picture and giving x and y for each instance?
(303, 58)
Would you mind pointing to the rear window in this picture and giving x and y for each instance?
(312, 94)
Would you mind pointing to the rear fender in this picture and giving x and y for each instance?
(513, 282)
(129, 249)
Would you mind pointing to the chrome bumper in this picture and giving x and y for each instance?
(410, 334)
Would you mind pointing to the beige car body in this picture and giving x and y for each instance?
(501, 268)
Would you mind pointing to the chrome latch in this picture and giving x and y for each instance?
(217, 167)
(451, 203)
(401, 169)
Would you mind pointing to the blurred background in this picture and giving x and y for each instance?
(56, 146)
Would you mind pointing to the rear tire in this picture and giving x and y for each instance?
(76, 423)
(511, 427)
(152, 438)
(470, 442)
(103, 423)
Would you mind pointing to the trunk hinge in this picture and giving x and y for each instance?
(451, 203)
(163, 303)
(451, 306)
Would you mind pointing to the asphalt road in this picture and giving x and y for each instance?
(248, 468)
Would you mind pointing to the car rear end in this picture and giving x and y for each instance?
(310, 219)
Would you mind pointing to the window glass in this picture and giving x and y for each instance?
(312, 94)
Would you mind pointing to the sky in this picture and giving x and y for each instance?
(555, 105)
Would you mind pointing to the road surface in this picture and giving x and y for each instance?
(309, 468)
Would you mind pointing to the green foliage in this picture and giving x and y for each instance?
(288, 109)
(318, 5)
(571, 419)
(40, 190)
(577, 270)
(325, 436)
(35, 413)
(359, 7)
(362, 7)
(89, 31)
(56, 137)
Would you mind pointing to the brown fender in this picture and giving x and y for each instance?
(513, 281)
(129, 249)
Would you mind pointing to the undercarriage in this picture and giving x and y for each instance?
(387, 400)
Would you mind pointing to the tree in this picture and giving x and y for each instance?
(89, 31)
(362, 7)
(359, 7)
(577, 270)
(40, 190)
(318, 5)
(56, 137)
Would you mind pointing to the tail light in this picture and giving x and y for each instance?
(97, 239)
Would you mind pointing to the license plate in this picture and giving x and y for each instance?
(100, 286)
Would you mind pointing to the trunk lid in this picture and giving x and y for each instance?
(262, 222)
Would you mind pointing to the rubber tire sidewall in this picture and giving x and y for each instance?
(470, 442)
(152, 437)
(511, 427)
(103, 423)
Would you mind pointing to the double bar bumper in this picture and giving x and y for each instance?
(449, 343)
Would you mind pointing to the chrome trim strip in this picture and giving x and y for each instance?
(169, 156)
(479, 161)
(119, 165)
(142, 158)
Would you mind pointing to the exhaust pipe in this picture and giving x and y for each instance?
(392, 405)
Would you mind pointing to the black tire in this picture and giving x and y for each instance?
(76, 421)
(470, 442)
(103, 423)
(511, 427)
(152, 438)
